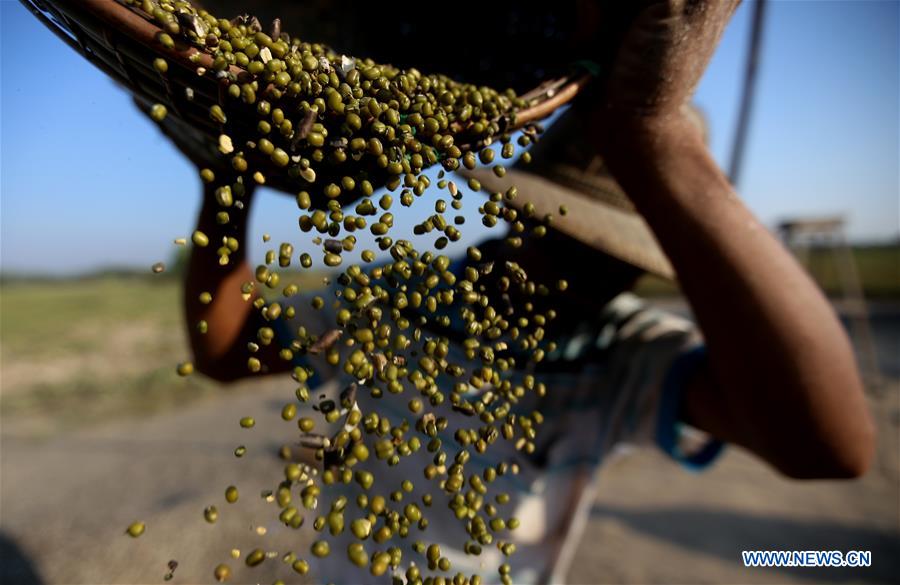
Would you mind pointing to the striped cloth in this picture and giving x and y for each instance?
(616, 379)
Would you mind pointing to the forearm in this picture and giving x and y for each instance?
(227, 313)
(782, 379)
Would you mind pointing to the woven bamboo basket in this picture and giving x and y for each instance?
(120, 40)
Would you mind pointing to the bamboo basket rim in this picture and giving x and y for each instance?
(107, 32)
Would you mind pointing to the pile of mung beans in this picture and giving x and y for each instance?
(341, 129)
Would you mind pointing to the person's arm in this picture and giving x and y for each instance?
(232, 321)
(780, 378)
(222, 353)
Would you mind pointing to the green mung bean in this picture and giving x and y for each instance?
(136, 529)
(320, 548)
(211, 514)
(158, 112)
(222, 573)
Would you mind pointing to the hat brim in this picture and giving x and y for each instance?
(620, 233)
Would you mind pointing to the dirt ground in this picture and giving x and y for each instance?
(67, 500)
(655, 523)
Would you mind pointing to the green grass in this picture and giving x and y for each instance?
(878, 268)
(82, 350)
(46, 316)
(82, 400)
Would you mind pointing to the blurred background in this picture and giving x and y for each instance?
(97, 430)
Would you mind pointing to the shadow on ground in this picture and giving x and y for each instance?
(15, 567)
(692, 528)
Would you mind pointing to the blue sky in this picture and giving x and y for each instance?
(87, 182)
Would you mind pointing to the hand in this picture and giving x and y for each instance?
(661, 57)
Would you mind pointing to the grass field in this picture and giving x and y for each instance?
(878, 267)
(74, 351)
